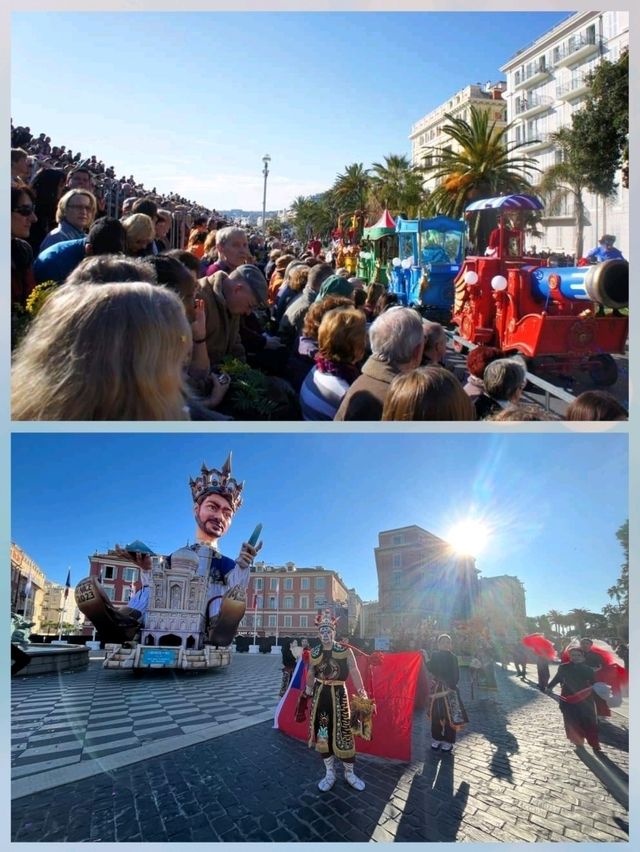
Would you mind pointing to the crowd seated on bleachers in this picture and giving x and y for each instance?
(130, 304)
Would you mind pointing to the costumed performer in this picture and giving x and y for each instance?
(577, 699)
(446, 709)
(216, 498)
(329, 722)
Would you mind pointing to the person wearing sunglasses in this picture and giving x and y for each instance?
(22, 218)
(74, 215)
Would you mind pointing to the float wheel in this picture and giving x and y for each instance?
(603, 370)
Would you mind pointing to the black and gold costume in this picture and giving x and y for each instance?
(329, 722)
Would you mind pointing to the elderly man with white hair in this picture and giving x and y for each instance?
(232, 245)
(504, 380)
(396, 338)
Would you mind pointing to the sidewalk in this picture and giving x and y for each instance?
(512, 777)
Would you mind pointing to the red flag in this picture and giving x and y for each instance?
(392, 684)
(540, 646)
(67, 585)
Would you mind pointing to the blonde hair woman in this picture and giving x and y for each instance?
(75, 214)
(140, 233)
(103, 352)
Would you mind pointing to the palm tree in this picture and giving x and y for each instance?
(482, 166)
(567, 181)
(555, 619)
(397, 186)
(580, 620)
(351, 188)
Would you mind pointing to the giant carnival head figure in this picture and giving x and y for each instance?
(216, 498)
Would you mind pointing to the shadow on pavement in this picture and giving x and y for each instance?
(612, 778)
(433, 811)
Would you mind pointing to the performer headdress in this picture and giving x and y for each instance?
(325, 618)
(213, 481)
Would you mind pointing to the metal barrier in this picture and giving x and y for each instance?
(548, 389)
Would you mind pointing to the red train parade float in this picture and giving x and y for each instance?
(553, 316)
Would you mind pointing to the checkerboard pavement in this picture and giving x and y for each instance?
(62, 719)
(512, 777)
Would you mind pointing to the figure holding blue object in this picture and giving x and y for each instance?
(216, 497)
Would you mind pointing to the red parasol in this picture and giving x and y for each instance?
(540, 646)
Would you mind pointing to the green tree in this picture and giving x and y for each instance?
(568, 180)
(618, 613)
(351, 188)
(484, 164)
(397, 186)
(603, 125)
(313, 215)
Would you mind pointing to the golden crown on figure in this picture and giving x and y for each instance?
(325, 618)
(214, 481)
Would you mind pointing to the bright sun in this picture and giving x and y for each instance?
(468, 537)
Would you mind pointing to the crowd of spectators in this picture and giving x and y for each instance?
(213, 322)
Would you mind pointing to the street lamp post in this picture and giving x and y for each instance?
(266, 160)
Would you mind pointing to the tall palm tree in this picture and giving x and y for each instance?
(351, 188)
(483, 165)
(555, 619)
(580, 619)
(567, 181)
(397, 186)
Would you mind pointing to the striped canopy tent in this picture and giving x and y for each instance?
(384, 227)
(504, 203)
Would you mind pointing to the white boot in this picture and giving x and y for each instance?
(330, 775)
(351, 778)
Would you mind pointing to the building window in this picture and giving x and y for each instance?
(110, 592)
(288, 584)
(258, 621)
(288, 621)
(304, 583)
(396, 601)
(397, 560)
(319, 583)
(128, 592)
(304, 621)
(259, 602)
(396, 579)
(129, 575)
(288, 602)
(272, 621)
(272, 603)
(273, 584)
(259, 569)
(397, 539)
(258, 584)
(304, 601)
(109, 572)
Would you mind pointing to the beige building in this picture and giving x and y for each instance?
(501, 602)
(27, 586)
(428, 132)
(56, 609)
(421, 579)
(546, 84)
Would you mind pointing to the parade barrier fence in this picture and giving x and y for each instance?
(549, 389)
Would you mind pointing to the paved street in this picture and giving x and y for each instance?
(513, 775)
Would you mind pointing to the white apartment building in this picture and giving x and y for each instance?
(427, 133)
(546, 83)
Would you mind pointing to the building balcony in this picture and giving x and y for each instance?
(576, 49)
(525, 107)
(573, 89)
(541, 71)
(536, 142)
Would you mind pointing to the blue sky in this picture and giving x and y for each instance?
(190, 102)
(553, 502)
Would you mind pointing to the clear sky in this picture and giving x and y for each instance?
(552, 502)
(191, 102)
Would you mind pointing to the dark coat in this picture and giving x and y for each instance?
(365, 398)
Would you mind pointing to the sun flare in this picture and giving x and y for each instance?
(468, 537)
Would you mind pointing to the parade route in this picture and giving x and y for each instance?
(512, 777)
